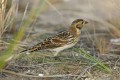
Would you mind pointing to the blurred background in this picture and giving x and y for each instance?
(57, 15)
(62, 12)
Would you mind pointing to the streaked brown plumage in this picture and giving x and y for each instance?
(62, 40)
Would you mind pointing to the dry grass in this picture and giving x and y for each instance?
(102, 45)
(2, 15)
(8, 54)
(7, 17)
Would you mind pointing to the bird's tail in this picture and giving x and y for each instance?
(32, 49)
(23, 51)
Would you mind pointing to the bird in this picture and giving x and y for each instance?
(62, 40)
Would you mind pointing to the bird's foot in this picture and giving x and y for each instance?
(57, 58)
(53, 57)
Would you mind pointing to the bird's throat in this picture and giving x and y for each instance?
(74, 31)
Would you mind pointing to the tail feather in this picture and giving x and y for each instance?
(23, 51)
(32, 49)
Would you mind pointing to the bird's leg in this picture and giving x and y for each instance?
(53, 53)
(56, 53)
(56, 57)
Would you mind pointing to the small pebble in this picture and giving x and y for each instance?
(41, 75)
(76, 54)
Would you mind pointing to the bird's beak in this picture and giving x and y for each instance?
(86, 22)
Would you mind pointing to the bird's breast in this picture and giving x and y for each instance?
(64, 47)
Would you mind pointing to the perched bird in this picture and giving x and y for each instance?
(62, 40)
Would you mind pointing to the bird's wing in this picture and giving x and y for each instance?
(58, 40)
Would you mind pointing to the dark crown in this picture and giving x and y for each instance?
(79, 20)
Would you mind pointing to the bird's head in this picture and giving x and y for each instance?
(78, 23)
(76, 26)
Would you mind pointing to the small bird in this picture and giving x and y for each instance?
(62, 40)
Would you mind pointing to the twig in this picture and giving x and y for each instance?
(81, 74)
(116, 63)
(38, 65)
(50, 76)
(54, 8)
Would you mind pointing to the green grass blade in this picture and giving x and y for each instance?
(91, 58)
(32, 16)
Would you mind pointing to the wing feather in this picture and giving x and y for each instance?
(58, 40)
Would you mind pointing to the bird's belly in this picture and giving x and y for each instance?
(63, 47)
